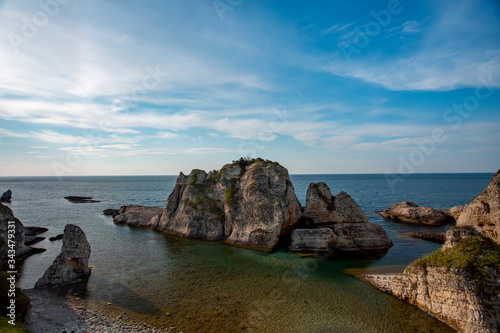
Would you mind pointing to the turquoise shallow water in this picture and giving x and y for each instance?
(207, 286)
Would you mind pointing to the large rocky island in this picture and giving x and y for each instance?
(460, 283)
(252, 203)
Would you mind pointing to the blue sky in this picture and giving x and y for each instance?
(157, 87)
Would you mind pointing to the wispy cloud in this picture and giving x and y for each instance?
(445, 59)
(337, 28)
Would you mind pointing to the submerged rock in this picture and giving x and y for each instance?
(34, 231)
(6, 196)
(78, 199)
(409, 212)
(72, 263)
(483, 212)
(110, 212)
(458, 284)
(57, 237)
(336, 224)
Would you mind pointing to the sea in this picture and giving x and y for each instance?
(187, 285)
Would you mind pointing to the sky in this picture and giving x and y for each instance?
(158, 87)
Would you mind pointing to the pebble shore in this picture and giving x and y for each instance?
(51, 314)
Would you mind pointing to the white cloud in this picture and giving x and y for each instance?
(207, 150)
(169, 135)
(452, 54)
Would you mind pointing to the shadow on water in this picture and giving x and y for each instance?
(114, 292)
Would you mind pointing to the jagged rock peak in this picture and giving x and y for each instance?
(483, 212)
(72, 263)
(250, 202)
(322, 207)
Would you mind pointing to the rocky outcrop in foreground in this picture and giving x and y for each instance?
(72, 263)
(336, 223)
(483, 212)
(409, 212)
(21, 249)
(459, 284)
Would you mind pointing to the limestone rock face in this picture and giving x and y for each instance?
(445, 293)
(464, 301)
(138, 216)
(71, 263)
(483, 212)
(6, 196)
(344, 237)
(21, 249)
(315, 240)
(409, 212)
(338, 224)
(322, 207)
(456, 211)
(248, 203)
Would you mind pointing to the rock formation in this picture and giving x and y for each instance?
(110, 212)
(72, 263)
(6, 196)
(78, 199)
(438, 237)
(252, 203)
(21, 249)
(460, 284)
(483, 212)
(456, 211)
(409, 212)
(336, 224)
(31, 235)
(138, 216)
(322, 207)
(249, 202)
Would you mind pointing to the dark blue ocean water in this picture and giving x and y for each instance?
(148, 274)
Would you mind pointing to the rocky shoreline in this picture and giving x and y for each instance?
(460, 283)
(50, 313)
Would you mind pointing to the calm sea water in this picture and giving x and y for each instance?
(200, 286)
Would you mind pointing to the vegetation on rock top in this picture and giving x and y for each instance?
(477, 256)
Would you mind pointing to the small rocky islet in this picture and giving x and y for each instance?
(252, 203)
